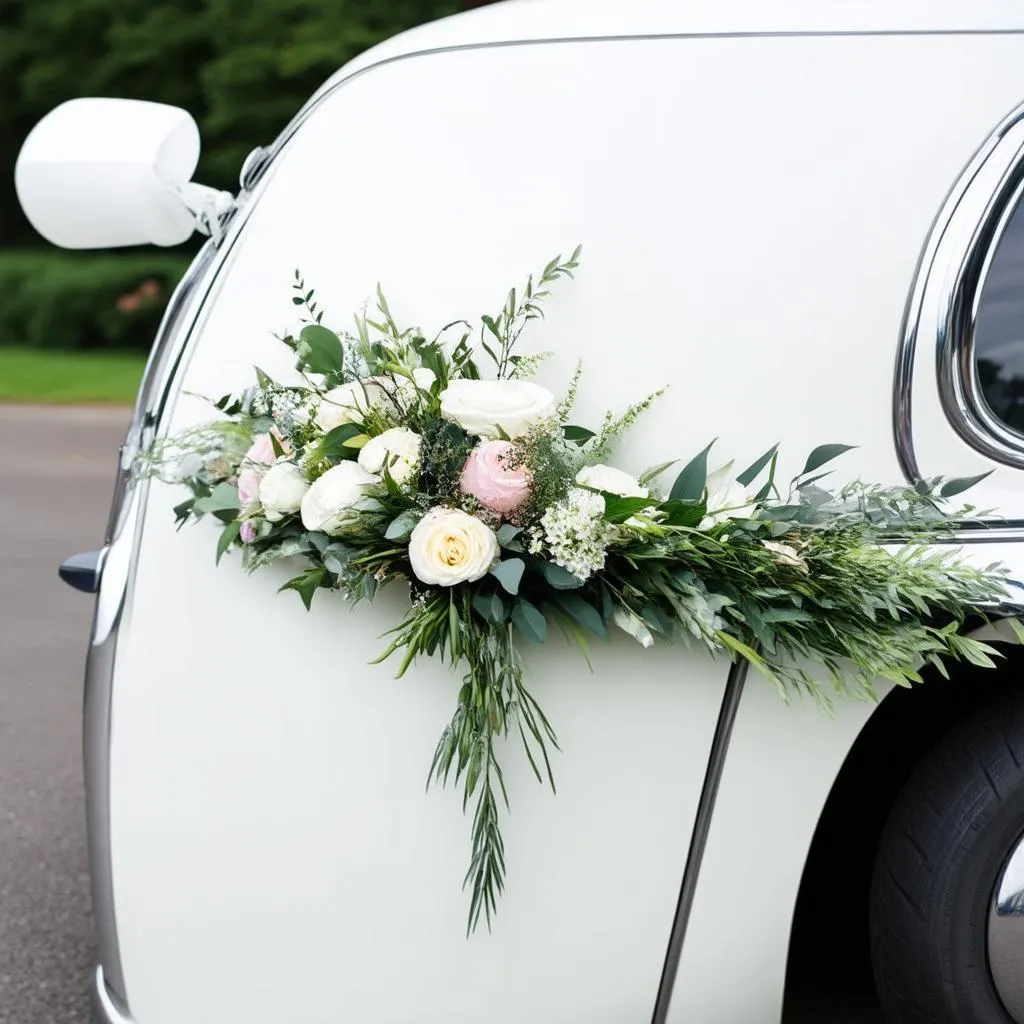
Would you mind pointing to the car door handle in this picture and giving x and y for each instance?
(83, 571)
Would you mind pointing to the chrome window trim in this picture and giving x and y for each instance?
(950, 273)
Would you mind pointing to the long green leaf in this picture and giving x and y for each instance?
(690, 483)
(750, 474)
(824, 453)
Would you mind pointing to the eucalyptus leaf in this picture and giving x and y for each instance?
(509, 573)
(223, 498)
(402, 526)
(580, 612)
(507, 533)
(530, 621)
(559, 578)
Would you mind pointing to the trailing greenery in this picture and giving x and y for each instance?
(396, 461)
(68, 301)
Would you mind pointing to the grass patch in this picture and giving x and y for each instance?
(37, 375)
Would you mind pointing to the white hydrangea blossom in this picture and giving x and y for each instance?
(575, 533)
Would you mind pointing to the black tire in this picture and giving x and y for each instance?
(938, 861)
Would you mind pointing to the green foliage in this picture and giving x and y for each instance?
(65, 301)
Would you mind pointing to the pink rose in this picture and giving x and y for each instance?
(249, 487)
(488, 476)
(261, 452)
(256, 461)
(247, 532)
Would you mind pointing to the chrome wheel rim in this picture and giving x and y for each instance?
(1006, 933)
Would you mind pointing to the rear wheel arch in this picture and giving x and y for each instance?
(829, 949)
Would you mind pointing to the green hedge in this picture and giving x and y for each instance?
(72, 300)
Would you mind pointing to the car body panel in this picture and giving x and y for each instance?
(751, 225)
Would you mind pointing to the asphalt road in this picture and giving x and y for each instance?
(56, 472)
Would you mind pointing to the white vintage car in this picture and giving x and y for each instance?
(805, 219)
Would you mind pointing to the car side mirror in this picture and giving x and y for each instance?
(101, 173)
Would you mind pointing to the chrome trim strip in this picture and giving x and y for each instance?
(1006, 934)
(699, 838)
(955, 254)
(959, 389)
(105, 1008)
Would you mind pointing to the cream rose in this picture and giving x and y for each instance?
(281, 490)
(480, 407)
(449, 546)
(612, 480)
(334, 500)
(349, 403)
(397, 448)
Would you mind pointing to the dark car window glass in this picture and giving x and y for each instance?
(999, 328)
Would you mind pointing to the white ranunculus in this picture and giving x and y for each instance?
(398, 449)
(612, 480)
(449, 546)
(335, 499)
(349, 403)
(480, 407)
(281, 490)
(727, 498)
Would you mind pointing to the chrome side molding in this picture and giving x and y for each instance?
(951, 269)
(105, 1008)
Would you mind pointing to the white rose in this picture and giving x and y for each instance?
(612, 480)
(480, 407)
(727, 498)
(397, 448)
(449, 546)
(349, 403)
(281, 490)
(334, 500)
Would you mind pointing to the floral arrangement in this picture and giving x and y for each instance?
(394, 459)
